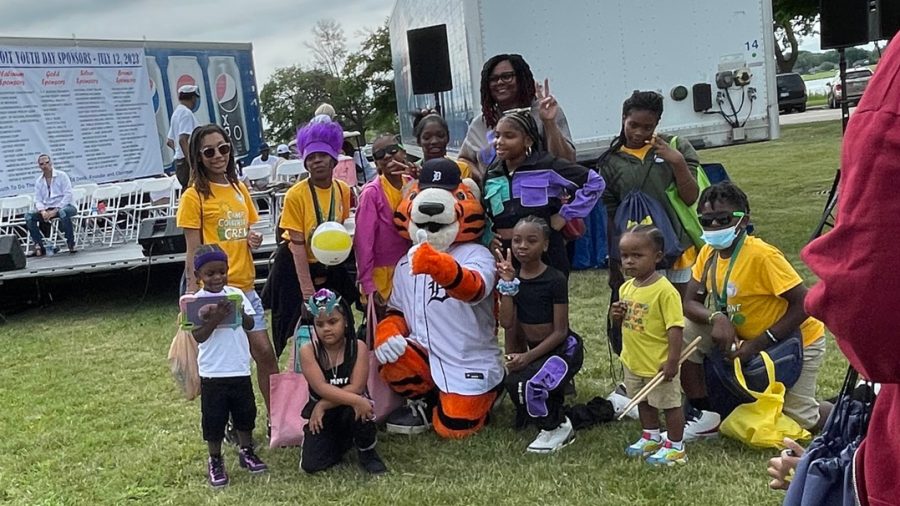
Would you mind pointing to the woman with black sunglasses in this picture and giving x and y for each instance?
(507, 83)
(377, 245)
(217, 209)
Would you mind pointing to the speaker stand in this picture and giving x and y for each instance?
(437, 104)
(828, 214)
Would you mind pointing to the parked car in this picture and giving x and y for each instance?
(791, 92)
(857, 80)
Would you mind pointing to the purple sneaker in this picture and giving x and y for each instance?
(249, 461)
(216, 474)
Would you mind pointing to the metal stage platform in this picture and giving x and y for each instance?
(99, 259)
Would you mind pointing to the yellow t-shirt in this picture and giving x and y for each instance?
(299, 213)
(227, 215)
(640, 153)
(760, 275)
(652, 311)
(394, 195)
(464, 169)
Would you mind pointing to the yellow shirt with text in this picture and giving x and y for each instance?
(299, 213)
(652, 311)
(226, 218)
(760, 275)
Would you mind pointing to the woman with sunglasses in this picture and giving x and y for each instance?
(378, 246)
(756, 299)
(526, 180)
(296, 272)
(217, 209)
(432, 135)
(507, 83)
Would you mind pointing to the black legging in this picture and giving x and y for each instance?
(282, 291)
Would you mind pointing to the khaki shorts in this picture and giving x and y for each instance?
(800, 400)
(666, 395)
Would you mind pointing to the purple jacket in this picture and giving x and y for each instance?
(376, 241)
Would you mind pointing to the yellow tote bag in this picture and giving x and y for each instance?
(762, 424)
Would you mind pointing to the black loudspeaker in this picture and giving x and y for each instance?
(11, 255)
(429, 60)
(702, 93)
(844, 23)
(884, 19)
(161, 236)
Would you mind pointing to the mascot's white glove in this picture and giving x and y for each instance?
(391, 350)
(421, 238)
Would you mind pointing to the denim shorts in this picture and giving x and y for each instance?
(259, 319)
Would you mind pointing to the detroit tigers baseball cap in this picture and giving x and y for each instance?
(439, 173)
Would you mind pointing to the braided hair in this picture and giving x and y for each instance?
(490, 110)
(423, 119)
(523, 121)
(650, 101)
(725, 191)
(538, 222)
(652, 233)
(199, 175)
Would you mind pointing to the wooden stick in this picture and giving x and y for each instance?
(653, 383)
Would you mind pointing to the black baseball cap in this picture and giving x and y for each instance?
(439, 173)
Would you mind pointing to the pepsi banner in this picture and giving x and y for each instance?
(227, 88)
(90, 109)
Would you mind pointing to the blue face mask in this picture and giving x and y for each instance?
(721, 239)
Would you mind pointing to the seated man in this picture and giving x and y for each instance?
(52, 199)
(758, 301)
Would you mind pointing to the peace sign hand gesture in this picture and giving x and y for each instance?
(504, 265)
(548, 108)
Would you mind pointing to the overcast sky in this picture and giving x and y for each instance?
(277, 28)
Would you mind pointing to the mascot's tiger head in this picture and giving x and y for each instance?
(447, 208)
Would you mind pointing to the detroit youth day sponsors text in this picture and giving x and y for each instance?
(90, 108)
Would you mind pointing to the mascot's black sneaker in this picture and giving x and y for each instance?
(371, 462)
(410, 419)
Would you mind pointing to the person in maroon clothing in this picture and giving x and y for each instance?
(859, 280)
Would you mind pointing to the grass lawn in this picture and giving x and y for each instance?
(818, 75)
(91, 414)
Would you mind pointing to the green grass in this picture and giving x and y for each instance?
(816, 100)
(91, 415)
(818, 75)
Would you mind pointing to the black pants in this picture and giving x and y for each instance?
(282, 291)
(183, 172)
(340, 431)
(538, 390)
(221, 397)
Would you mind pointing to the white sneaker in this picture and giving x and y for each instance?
(702, 426)
(619, 402)
(549, 441)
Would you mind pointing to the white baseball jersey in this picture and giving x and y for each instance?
(462, 349)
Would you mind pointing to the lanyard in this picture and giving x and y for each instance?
(722, 297)
(318, 209)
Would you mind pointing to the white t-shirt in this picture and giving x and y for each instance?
(226, 353)
(462, 349)
(183, 123)
(270, 161)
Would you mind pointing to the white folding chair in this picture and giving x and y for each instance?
(156, 197)
(258, 175)
(129, 198)
(12, 217)
(104, 213)
(290, 171)
(80, 201)
(88, 188)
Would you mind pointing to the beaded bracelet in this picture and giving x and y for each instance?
(510, 288)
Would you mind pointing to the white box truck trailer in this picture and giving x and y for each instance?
(712, 60)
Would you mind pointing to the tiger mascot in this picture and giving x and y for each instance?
(436, 344)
